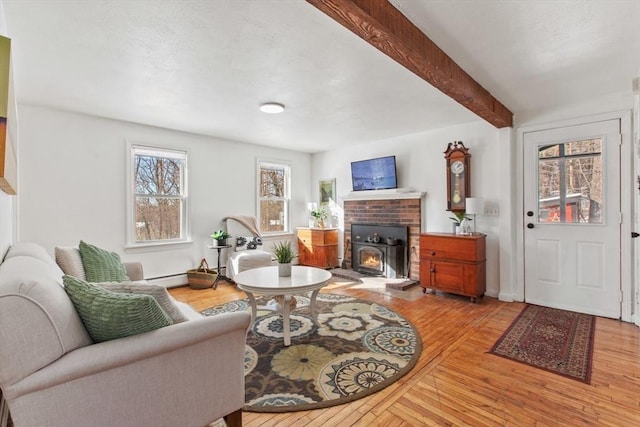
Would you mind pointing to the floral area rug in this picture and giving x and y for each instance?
(358, 349)
(558, 341)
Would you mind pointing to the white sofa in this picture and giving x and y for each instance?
(51, 374)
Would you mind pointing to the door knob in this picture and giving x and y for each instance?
(530, 225)
(529, 213)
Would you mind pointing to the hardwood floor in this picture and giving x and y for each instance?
(456, 382)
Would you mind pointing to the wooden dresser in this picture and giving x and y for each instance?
(318, 247)
(453, 263)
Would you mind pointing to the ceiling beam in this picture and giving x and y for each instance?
(384, 27)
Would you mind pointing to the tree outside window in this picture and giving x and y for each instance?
(273, 196)
(159, 199)
(570, 182)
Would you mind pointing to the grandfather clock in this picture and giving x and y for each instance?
(458, 176)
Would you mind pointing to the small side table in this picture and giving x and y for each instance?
(218, 267)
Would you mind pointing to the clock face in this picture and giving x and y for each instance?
(457, 167)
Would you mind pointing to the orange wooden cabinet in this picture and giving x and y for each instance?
(453, 263)
(318, 247)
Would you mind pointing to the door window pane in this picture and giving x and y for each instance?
(570, 182)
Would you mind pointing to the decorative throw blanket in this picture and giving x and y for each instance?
(249, 222)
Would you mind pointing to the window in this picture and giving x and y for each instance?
(273, 196)
(158, 201)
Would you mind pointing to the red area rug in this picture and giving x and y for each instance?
(555, 340)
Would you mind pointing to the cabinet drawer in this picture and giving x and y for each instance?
(318, 237)
(451, 247)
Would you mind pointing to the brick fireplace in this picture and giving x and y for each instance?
(398, 209)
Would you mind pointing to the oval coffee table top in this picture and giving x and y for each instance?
(265, 280)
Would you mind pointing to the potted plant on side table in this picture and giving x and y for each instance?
(461, 223)
(284, 254)
(319, 216)
(220, 237)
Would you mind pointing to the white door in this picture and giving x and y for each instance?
(572, 218)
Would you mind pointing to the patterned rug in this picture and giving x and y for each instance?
(359, 348)
(555, 340)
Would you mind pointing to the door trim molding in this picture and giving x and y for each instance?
(627, 194)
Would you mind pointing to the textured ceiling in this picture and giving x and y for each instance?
(205, 66)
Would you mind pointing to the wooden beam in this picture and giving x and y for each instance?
(384, 27)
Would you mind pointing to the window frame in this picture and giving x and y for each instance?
(134, 149)
(286, 165)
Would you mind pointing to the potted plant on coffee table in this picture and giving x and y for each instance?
(284, 254)
(220, 237)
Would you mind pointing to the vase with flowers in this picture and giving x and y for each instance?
(319, 216)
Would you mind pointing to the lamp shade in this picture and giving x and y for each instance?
(474, 206)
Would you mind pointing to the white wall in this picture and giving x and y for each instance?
(72, 184)
(421, 165)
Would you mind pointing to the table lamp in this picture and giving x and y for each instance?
(473, 206)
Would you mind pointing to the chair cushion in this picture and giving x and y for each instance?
(101, 265)
(246, 260)
(162, 297)
(110, 315)
(70, 261)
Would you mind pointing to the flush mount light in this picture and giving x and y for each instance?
(272, 108)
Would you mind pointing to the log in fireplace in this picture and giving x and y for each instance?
(379, 250)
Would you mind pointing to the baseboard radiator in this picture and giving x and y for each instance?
(170, 281)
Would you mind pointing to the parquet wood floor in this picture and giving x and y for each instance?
(457, 383)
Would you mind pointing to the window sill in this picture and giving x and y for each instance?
(156, 246)
(277, 235)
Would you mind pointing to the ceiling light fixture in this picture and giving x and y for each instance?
(272, 108)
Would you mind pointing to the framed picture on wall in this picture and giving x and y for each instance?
(8, 126)
(328, 192)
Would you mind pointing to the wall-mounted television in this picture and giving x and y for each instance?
(374, 174)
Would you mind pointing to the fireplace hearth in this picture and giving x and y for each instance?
(379, 250)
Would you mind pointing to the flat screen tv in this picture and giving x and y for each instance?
(374, 174)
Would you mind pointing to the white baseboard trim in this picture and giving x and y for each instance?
(503, 296)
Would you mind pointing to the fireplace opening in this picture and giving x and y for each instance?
(371, 259)
(379, 250)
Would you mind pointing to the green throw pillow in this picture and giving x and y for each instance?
(100, 265)
(109, 315)
(159, 293)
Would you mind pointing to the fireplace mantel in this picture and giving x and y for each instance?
(395, 194)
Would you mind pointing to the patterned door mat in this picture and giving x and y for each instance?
(555, 340)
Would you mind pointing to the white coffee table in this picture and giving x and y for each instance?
(266, 281)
